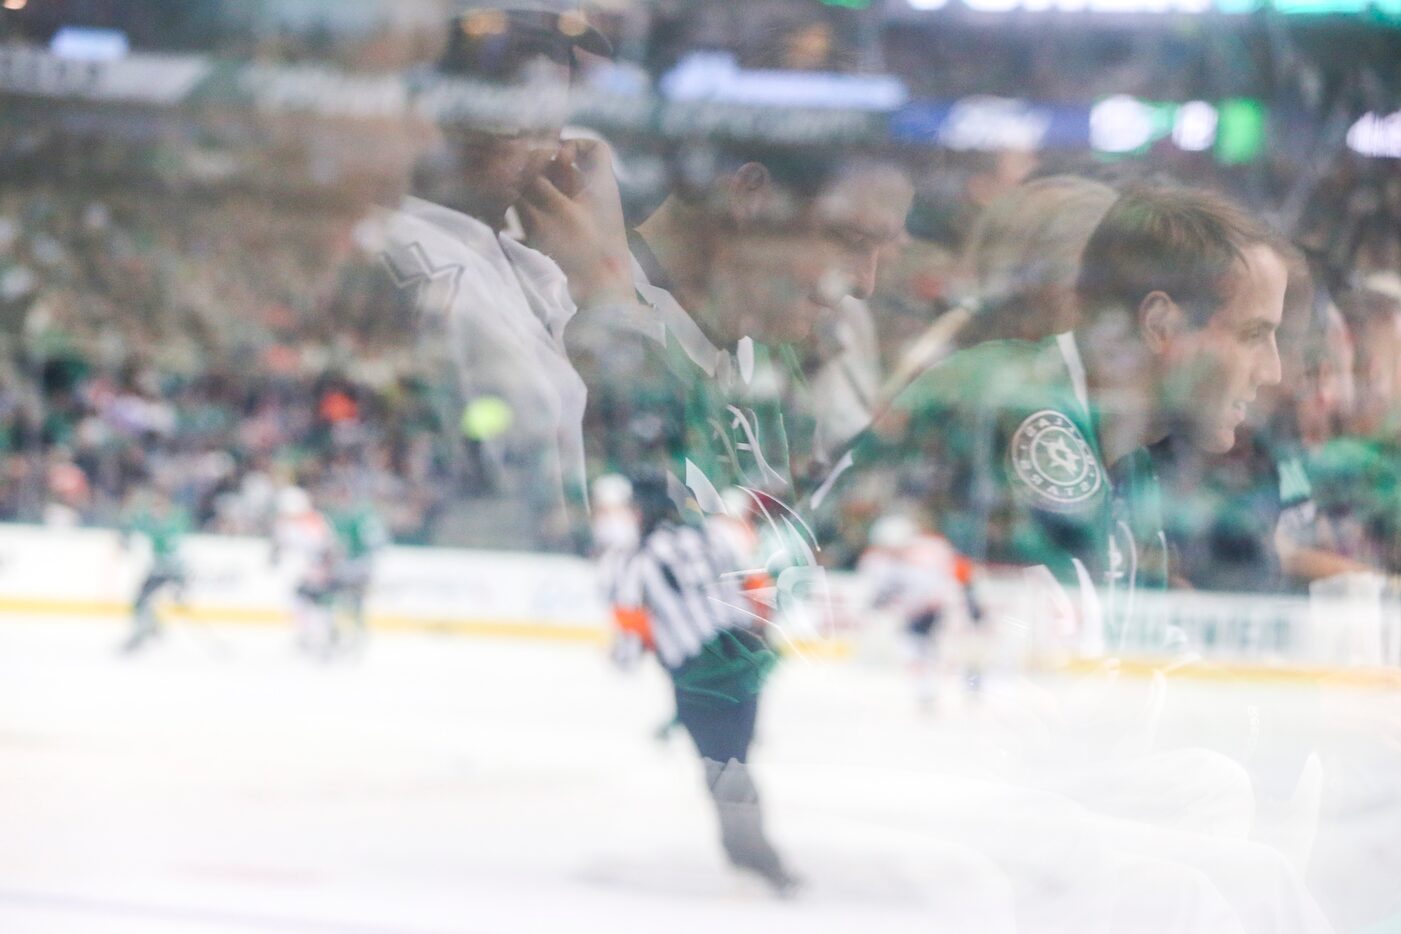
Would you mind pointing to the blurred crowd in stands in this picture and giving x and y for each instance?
(199, 342)
(224, 338)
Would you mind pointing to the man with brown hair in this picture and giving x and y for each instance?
(1039, 449)
(1182, 293)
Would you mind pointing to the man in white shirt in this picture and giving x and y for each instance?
(490, 311)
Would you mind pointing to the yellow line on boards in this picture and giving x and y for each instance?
(519, 629)
(1370, 677)
(460, 626)
(827, 649)
(245, 616)
(45, 606)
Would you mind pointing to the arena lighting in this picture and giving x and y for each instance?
(1240, 130)
(16, 4)
(1376, 135)
(85, 44)
(1091, 6)
(1195, 127)
(1324, 7)
(1083, 6)
(1388, 8)
(1233, 129)
(1124, 124)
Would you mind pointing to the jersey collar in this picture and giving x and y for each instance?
(1079, 381)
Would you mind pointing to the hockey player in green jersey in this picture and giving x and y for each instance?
(360, 535)
(1024, 466)
(1036, 452)
(154, 515)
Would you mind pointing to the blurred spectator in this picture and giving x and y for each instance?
(1023, 256)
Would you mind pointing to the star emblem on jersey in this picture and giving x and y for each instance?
(1053, 462)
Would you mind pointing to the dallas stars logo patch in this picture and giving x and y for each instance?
(1054, 463)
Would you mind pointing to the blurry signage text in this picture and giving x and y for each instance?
(988, 123)
(89, 45)
(715, 76)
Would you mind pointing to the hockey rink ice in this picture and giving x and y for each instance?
(222, 783)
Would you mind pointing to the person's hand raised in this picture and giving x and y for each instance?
(573, 213)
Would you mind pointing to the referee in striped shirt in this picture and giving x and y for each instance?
(687, 582)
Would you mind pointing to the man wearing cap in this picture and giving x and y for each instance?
(490, 311)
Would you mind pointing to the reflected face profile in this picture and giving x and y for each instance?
(772, 278)
(860, 216)
(494, 163)
(494, 169)
(791, 271)
(1325, 393)
(1219, 369)
(1376, 372)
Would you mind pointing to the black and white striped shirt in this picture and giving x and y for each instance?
(689, 581)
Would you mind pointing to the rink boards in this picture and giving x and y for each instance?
(91, 572)
(1347, 624)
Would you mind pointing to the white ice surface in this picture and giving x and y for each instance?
(220, 783)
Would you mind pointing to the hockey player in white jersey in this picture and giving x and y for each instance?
(917, 575)
(305, 548)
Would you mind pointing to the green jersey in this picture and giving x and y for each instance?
(165, 529)
(714, 417)
(1357, 482)
(1002, 442)
(662, 393)
(359, 531)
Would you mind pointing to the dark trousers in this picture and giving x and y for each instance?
(722, 733)
(144, 625)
